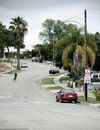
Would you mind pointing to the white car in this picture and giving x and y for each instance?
(24, 65)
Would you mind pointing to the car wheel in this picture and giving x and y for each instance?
(70, 101)
(57, 100)
(75, 101)
(61, 100)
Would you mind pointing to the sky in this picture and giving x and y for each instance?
(35, 12)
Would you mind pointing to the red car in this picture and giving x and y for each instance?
(66, 95)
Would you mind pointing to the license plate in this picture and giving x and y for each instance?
(70, 96)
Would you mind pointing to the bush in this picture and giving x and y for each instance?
(76, 83)
(95, 80)
(97, 94)
(71, 86)
(68, 84)
(70, 75)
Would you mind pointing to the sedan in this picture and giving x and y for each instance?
(24, 65)
(53, 71)
(66, 95)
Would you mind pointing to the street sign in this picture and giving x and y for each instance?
(87, 78)
(87, 71)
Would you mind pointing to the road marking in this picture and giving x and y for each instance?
(64, 113)
(5, 96)
(12, 89)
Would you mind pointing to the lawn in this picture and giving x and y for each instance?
(55, 88)
(63, 78)
(90, 100)
(48, 81)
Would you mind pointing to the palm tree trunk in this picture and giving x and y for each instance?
(75, 62)
(77, 68)
(18, 55)
(74, 65)
(8, 54)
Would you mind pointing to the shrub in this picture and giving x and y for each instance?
(68, 84)
(71, 86)
(97, 94)
(76, 83)
(95, 80)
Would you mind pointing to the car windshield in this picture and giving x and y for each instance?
(69, 91)
(24, 63)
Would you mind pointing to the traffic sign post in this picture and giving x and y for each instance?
(87, 79)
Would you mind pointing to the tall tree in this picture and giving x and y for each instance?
(47, 34)
(73, 54)
(97, 61)
(2, 35)
(19, 29)
(9, 41)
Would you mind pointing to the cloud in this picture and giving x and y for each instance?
(35, 12)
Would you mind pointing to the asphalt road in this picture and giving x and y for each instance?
(26, 105)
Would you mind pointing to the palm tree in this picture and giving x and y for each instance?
(19, 29)
(73, 54)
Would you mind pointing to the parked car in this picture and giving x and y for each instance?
(34, 59)
(53, 71)
(67, 95)
(95, 75)
(24, 65)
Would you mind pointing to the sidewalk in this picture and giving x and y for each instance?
(79, 91)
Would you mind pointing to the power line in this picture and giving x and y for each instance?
(76, 16)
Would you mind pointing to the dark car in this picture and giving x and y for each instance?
(53, 71)
(67, 95)
(34, 59)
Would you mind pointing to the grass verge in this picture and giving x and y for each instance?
(48, 81)
(12, 72)
(55, 88)
(63, 78)
(90, 100)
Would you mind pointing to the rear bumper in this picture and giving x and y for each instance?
(69, 98)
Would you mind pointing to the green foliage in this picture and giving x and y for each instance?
(48, 81)
(68, 84)
(95, 80)
(19, 29)
(90, 100)
(63, 78)
(70, 75)
(55, 88)
(76, 83)
(71, 86)
(97, 94)
(58, 57)
(97, 61)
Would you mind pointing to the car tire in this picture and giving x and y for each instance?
(57, 100)
(61, 100)
(75, 101)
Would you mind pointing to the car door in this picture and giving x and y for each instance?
(59, 95)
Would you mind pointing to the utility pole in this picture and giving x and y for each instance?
(53, 52)
(85, 52)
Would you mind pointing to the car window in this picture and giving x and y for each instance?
(69, 91)
(95, 75)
